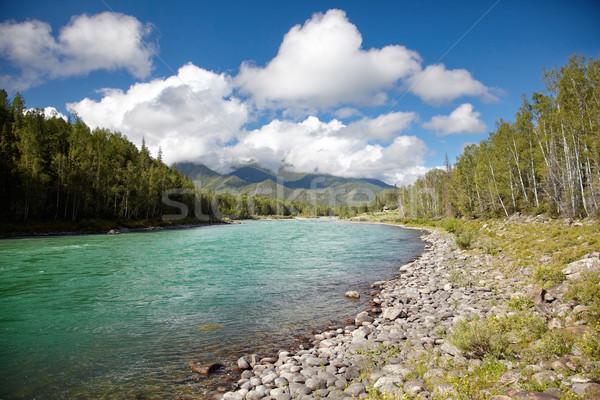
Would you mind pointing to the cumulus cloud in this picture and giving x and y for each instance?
(384, 127)
(48, 112)
(437, 85)
(462, 120)
(322, 64)
(87, 43)
(189, 115)
(51, 112)
(193, 117)
(329, 147)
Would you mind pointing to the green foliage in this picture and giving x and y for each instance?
(589, 343)
(491, 336)
(451, 224)
(465, 238)
(53, 169)
(546, 161)
(523, 325)
(555, 343)
(479, 383)
(587, 291)
(519, 303)
(479, 337)
(549, 276)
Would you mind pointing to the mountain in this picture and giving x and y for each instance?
(301, 187)
(254, 174)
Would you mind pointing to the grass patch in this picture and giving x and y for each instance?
(473, 385)
(555, 343)
(499, 337)
(451, 224)
(519, 303)
(549, 276)
(478, 338)
(587, 291)
(589, 344)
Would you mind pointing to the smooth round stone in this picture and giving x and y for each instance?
(281, 382)
(355, 390)
(243, 364)
(247, 374)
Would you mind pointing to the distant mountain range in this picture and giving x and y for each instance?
(254, 180)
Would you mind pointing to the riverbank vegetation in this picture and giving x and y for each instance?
(546, 161)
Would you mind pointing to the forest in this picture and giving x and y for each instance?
(545, 161)
(54, 170)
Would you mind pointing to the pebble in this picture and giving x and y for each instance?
(414, 306)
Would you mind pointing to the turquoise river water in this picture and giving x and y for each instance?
(110, 317)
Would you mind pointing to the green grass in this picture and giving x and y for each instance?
(587, 291)
(519, 303)
(492, 336)
(479, 384)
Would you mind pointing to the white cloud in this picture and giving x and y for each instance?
(384, 127)
(347, 112)
(189, 115)
(437, 85)
(461, 120)
(322, 65)
(103, 41)
(51, 112)
(194, 117)
(48, 112)
(329, 147)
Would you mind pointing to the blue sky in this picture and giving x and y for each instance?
(379, 89)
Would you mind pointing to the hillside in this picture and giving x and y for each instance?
(252, 179)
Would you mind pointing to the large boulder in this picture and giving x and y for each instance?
(590, 263)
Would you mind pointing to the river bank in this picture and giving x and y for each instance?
(420, 338)
(63, 228)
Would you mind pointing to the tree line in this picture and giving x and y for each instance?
(546, 161)
(56, 169)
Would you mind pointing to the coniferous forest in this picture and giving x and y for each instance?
(54, 170)
(546, 161)
(57, 169)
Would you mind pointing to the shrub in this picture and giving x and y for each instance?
(451, 224)
(589, 343)
(549, 276)
(520, 303)
(555, 343)
(479, 337)
(527, 326)
(587, 291)
(465, 238)
(490, 247)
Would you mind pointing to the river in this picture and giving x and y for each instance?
(121, 316)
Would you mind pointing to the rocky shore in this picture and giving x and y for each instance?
(399, 347)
